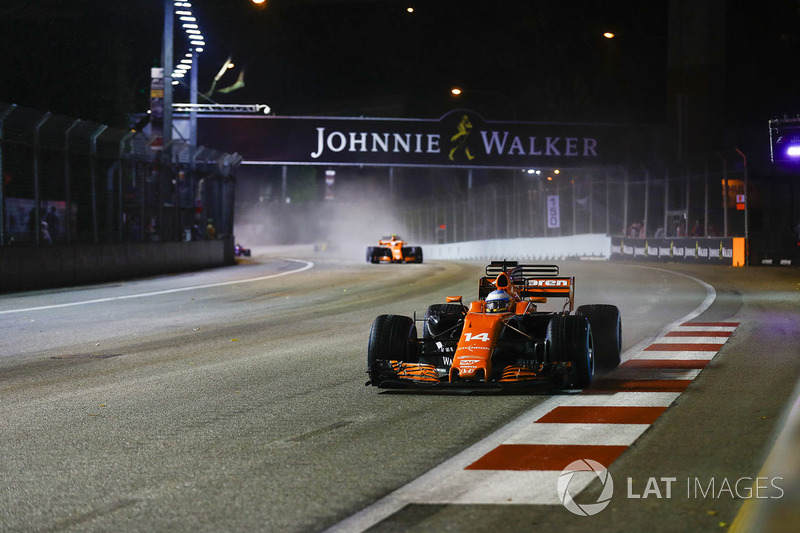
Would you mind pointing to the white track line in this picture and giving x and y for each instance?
(307, 265)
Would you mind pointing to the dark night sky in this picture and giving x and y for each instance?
(537, 60)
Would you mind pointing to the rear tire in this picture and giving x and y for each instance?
(606, 325)
(392, 338)
(570, 338)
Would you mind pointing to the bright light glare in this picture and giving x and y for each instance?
(608, 35)
(410, 9)
(793, 151)
(257, 2)
(455, 91)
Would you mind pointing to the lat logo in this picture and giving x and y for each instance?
(585, 465)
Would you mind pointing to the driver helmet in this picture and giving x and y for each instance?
(498, 302)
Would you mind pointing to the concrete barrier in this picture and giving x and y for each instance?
(24, 267)
(587, 246)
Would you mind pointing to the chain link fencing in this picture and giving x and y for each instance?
(73, 181)
(703, 199)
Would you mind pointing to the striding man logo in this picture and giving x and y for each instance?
(460, 139)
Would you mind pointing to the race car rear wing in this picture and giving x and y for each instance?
(529, 281)
(517, 271)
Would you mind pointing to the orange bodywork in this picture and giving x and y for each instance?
(472, 361)
(486, 334)
(394, 249)
(395, 245)
(473, 357)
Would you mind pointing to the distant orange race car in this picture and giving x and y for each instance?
(393, 249)
(501, 339)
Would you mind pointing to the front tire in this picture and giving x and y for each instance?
(392, 338)
(606, 325)
(373, 254)
(570, 339)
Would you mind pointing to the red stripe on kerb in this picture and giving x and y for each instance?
(667, 364)
(544, 456)
(605, 386)
(698, 334)
(712, 324)
(683, 347)
(569, 414)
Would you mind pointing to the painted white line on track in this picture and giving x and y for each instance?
(649, 373)
(623, 399)
(307, 265)
(691, 340)
(600, 434)
(451, 483)
(675, 355)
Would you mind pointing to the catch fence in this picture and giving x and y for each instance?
(75, 181)
(703, 199)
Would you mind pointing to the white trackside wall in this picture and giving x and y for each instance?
(591, 246)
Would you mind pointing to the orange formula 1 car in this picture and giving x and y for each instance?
(502, 339)
(393, 249)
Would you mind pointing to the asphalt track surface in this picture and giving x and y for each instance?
(234, 400)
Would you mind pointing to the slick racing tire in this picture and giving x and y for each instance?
(570, 339)
(606, 325)
(372, 256)
(412, 254)
(392, 338)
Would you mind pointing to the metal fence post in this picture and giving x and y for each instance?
(68, 183)
(625, 203)
(724, 195)
(93, 176)
(705, 194)
(746, 195)
(646, 200)
(120, 210)
(2, 194)
(608, 205)
(37, 155)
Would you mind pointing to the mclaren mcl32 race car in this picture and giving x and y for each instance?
(502, 339)
(393, 249)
